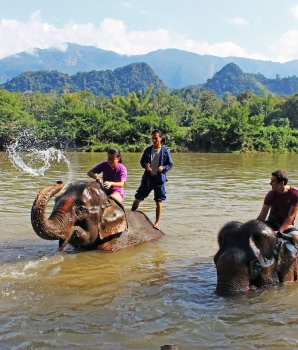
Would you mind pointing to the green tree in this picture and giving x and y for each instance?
(277, 137)
(12, 117)
(290, 110)
(190, 95)
(229, 100)
(142, 128)
(209, 104)
(235, 129)
(135, 104)
(166, 105)
(41, 106)
(81, 125)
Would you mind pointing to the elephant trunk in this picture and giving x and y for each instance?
(52, 228)
(232, 273)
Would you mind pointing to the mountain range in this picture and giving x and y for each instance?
(176, 68)
(140, 77)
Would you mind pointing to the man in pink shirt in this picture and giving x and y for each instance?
(281, 203)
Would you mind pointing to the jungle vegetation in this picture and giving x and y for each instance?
(191, 119)
(121, 81)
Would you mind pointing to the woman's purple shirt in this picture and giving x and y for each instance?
(118, 174)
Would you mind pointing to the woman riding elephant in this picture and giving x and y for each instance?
(113, 174)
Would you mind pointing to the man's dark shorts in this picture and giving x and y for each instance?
(275, 227)
(147, 186)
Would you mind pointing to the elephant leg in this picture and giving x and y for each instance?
(63, 243)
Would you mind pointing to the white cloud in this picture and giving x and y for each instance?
(35, 16)
(285, 48)
(236, 20)
(294, 10)
(111, 35)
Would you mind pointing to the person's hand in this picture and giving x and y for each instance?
(148, 167)
(107, 184)
(159, 169)
(98, 179)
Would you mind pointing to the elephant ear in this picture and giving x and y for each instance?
(113, 219)
(263, 237)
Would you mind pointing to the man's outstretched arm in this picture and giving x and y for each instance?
(264, 212)
(291, 217)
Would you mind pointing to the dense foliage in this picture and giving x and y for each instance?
(121, 81)
(233, 80)
(196, 120)
(139, 76)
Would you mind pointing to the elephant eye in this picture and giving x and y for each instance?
(256, 265)
(81, 211)
(255, 268)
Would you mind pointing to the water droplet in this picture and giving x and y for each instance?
(32, 156)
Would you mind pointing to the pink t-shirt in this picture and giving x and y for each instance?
(281, 203)
(118, 174)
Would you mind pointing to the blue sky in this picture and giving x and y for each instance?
(259, 29)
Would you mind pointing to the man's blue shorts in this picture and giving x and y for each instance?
(151, 184)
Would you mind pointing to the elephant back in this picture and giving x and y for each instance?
(140, 229)
(140, 223)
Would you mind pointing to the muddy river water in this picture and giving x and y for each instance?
(160, 292)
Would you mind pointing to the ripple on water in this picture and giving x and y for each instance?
(153, 294)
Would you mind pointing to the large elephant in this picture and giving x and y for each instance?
(250, 255)
(84, 216)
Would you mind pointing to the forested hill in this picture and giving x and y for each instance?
(231, 79)
(139, 77)
(121, 81)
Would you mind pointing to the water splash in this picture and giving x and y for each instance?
(33, 157)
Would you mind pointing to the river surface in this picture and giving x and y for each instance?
(160, 292)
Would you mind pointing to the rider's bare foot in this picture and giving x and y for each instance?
(156, 225)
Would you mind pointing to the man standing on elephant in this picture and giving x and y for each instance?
(282, 201)
(156, 160)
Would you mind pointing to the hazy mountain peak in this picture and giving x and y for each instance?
(177, 68)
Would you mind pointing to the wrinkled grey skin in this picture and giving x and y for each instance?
(250, 255)
(85, 217)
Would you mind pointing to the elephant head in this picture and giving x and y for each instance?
(250, 255)
(83, 215)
